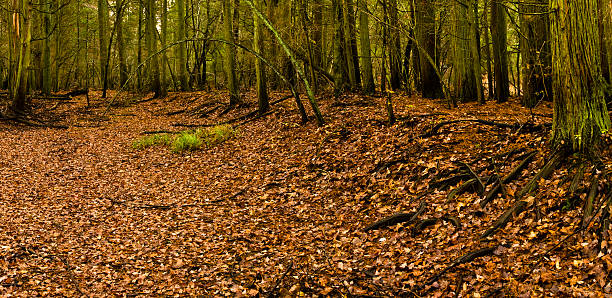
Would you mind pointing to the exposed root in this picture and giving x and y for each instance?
(501, 222)
(508, 178)
(435, 130)
(395, 219)
(544, 173)
(466, 258)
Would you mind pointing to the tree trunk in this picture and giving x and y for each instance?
(123, 71)
(340, 67)
(151, 40)
(230, 55)
(394, 46)
(182, 47)
(500, 50)
(535, 51)
(348, 50)
(163, 40)
(365, 50)
(139, 57)
(260, 74)
(46, 49)
(580, 114)
(22, 36)
(431, 86)
(463, 76)
(352, 40)
(102, 36)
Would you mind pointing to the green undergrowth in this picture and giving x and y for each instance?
(188, 140)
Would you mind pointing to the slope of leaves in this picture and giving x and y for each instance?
(281, 208)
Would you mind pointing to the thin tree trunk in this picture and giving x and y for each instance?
(500, 50)
(102, 36)
(394, 46)
(365, 51)
(123, 71)
(262, 91)
(152, 48)
(182, 48)
(230, 55)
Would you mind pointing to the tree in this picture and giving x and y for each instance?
(123, 71)
(151, 41)
(431, 86)
(340, 68)
(499, 31)
(103, 37)
(465, 61)
(394, 46)
(535, 52)
(260, 74)
(580, 115)
(182, 47)
(230, 55)
(21, 30)
(365, 51)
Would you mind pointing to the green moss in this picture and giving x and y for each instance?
(186, 141)
(151, 140)
(189, 140)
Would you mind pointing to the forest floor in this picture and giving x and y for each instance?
(280, 209)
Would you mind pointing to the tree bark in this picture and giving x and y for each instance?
(102, 37)
(151, 39)
(500, 51)
(368, 86)
(535, 52)
(182, 48)
(394, 46)
(431, 86)
(260, 74)
(580, 115)
(230, 55)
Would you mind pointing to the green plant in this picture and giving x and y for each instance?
(186, 141)
(218, 134)
(151, 140)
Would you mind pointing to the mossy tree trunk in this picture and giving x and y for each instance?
(580, 114)
(21, 51)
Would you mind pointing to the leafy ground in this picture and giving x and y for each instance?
(281, 208)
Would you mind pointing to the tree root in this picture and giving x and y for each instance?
(423, 224)
(544, 173)
(466, 258)
(395, 219)
(501, 222)
(434, 130)
(508, 178)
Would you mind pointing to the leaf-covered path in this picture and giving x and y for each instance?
(281, 207)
